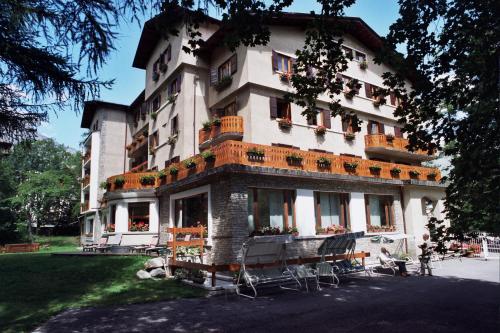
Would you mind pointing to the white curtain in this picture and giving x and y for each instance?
(251, 225)
(330, 209)
(375, 211)
(276, 209)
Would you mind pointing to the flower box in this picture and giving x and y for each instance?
(285, 77)
(324, 163)
(374, 228)
(147, 180)
(389, 138)
(173, 170)
(208, 156)
(432, 175)
(350, 166)
(171, 99)
(414, 173)
(363, 65)
(294, 159)
(349, 136)
(375, 169)
(172, 140)
(256, 154)
(320, 130)
(207, 126)
(161, 175)
(223, 83)
(216, 122)
(395, 171)
(190, 163)
(119, 181)
(285, 123)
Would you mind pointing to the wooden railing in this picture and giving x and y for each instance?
(229, 124)
(136, 144)
(380, 140)
(195, 239)
(235, 152)
(86, 157)
(85, 181)
(132, 181)
(85, 206)
(139, 168)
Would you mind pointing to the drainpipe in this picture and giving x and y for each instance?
(195, 80)
(402, 199)
(125, 150)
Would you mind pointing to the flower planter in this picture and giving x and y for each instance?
(285, 124)
(349, 94)
(255, 156)
(223, 83)
(349, 136)
(294, 159)
(350, 166)
(320, 131)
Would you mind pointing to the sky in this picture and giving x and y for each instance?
(64, 127)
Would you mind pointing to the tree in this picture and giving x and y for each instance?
(39, 185)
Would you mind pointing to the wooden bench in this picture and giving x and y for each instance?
(24, 247)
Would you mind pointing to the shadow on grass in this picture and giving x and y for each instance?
(38, 286)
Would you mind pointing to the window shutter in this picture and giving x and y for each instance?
(381, 128)
(179, 81)
(326, 118)
(393, 98)
(213, 76)
(273, 107)
(369, 130)
(397, 132)
(234, 64)
(275, 61)
(368, 90)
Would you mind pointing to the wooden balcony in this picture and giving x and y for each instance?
(236, 152)
(379, 144)
(85, 181)
(138, 147)
(230, 128)
(132, 181)
(86, 157)
(85, 206)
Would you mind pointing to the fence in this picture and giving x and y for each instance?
(484, 246)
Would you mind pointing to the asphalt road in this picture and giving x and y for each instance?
(461, 297)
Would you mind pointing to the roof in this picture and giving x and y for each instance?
(91, 107)
(151, 34)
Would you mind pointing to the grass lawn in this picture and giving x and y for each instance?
(35, 287)
(50, 244)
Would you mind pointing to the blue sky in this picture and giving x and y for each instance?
(64, 127)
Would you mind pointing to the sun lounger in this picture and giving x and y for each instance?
(96, 247)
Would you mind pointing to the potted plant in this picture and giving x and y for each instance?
(294, 158)
(324, 162)
(375, 169)
(414, 173)
(172, 140)
(216, 122)
(389, 138)
(432, 175)
(173, 170)
(285, 77)
(363, 65)
(147, 180)
(119, 181)
(395, 171)
(156, 76)
(172, 98)
(110, 228)
(154, 115)
(161, 175)
(208, 156)
(350, 166)
(189, 163)
(223, 83)
(152, 151)
(256, 154)
(292, 231)
(285, 123)
(349, 136)
(207, 126)
(320, 130)
(163, 67)
(104, 185)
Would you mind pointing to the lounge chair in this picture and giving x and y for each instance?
(95, 247)
(153, 242)
(265, 252)
(387, 263)
(113, 240)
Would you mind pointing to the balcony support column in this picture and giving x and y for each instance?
(121, 217)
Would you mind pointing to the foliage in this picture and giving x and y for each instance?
(294, 158)
(375, 168)
(71, 282)
(216, 122)
(320, 130)
(104, 185)
(173, 170)
(147, 180)
(257, 152)
(161, 175)
(323, 161)
(396, 171)
(189, 163)
(207, 125)
(119, 181)
(350, 165)
(414, 173)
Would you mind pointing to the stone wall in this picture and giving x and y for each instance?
(229, 195)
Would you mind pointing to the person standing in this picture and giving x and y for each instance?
(425, 257)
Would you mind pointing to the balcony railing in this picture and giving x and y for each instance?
(85, 206)
(85, 181)
(231, 127)
(86, 157)
(137, 143)
(140, 168)
(381, 143)
(133, 181)
(236, 152)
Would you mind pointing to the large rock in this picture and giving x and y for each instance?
(154, 263)
(158, 273)
(142, 274)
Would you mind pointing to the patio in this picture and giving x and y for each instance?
(391, 304)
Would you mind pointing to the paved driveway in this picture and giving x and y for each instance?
(462, 297)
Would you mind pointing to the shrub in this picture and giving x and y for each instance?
(104, 185)
(216, 122)
(181, 274)
(207, 125)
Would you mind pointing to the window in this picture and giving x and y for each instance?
(168, 53)
(371, 90)
(347, 52)
(280, 109)
(89, 226)
(379, 210)
(346, 81)
(138, 216)
(282, 63)
(228, 68)
(155, 74)
(397, 132)
(393, 99)
(349, 123)
(374, 127)
(229, 110)
(270, 208)
(191, 211)
(313, 120)
(359, 56)
(174, 126)
(156, 103)
(154, 140)
(174, 86)
(332, 209)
